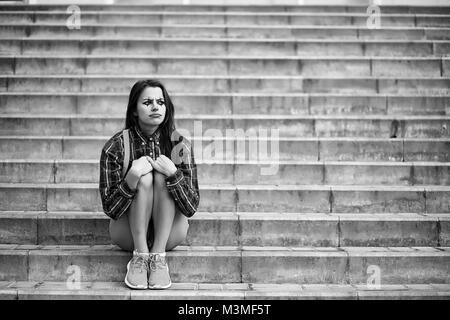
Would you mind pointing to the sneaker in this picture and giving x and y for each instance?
(159, 272)
(137, 271)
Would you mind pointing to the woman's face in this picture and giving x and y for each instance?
(151, 107)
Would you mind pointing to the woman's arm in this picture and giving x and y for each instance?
(115, 193)
(183, 184)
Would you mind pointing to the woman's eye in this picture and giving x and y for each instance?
(160, 103)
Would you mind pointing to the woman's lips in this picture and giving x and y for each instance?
(154, 115)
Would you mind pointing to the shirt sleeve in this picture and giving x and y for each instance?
(115, 193)
(183, 184)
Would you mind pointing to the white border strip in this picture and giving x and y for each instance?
(69, 2)
(427, 3)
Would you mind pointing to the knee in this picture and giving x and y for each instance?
(146, 182)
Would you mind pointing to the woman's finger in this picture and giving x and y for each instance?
(166, 160)
(152, 162)
(160, 160)
(157, 163)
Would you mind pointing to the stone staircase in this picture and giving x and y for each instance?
(363, 179)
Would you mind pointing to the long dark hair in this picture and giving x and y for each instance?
(166, 127)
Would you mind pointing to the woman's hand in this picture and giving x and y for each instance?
(139, 168)
(163, 165)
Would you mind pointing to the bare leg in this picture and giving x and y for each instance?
(179, 231)
(140, 213)
(164, 213)
(121, 233)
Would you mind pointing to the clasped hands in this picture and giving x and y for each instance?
(145, 165)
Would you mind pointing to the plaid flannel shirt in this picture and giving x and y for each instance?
(115, 193)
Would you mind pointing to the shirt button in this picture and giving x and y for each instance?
(143, 143)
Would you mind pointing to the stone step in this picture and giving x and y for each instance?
(241, 229)
(358, 86)
(248, 47)
(345, 265)
(96, 290)
(229, 18)
(227, 65)
(287, 126)
(298, 149)
(246, 198)
(246, 172)
(281, 103)
(100, 30)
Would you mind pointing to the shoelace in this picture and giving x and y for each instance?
(156, 261)
(140, 262)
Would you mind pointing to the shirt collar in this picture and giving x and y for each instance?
(154, 136)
